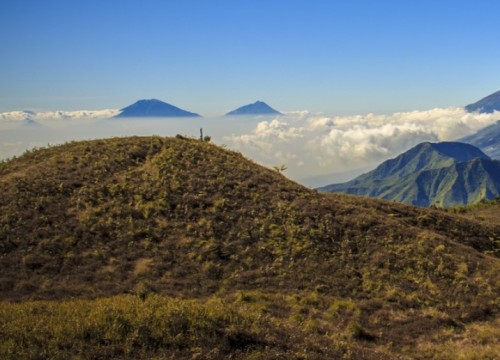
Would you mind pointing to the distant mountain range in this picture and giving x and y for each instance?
(153, 108)
(139, 109)
(257, 108)
(441, 174)
(157, 108)
(488, 104)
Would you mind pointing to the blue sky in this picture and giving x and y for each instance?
(209, 57)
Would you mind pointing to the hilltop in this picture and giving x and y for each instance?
(153, 108)
(257, 108)
(290, 271)
(443, 174)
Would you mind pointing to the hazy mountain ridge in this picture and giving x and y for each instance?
(487, 139)
(442, 174)
(488, 104)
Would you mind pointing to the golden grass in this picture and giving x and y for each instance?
(142, 266)
(477, 341)
(273, 270)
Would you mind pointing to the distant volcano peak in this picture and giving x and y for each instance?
(153, 108)
(257, 108)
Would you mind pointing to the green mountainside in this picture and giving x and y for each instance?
(174, 247)
(440, 174)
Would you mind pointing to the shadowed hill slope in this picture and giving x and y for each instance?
(184, 218)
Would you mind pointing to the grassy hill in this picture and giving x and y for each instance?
(221, 257)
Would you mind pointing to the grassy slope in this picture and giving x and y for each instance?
(183, 218)
(486, 212)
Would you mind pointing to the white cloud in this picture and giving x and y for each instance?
(309, 144)
(12, 119)
(312, 144)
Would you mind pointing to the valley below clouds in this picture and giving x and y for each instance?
(317, 149)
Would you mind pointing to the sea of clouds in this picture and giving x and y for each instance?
(317, 149)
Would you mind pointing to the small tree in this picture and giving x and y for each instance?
(281, 168)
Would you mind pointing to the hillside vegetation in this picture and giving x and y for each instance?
(487, 212)
(233, 253)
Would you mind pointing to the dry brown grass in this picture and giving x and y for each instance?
(184, 218)
(477, 341)
(142, 266)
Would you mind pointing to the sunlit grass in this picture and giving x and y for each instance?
(223, 258)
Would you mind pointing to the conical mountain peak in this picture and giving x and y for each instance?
(153, 108)
(257, 108)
